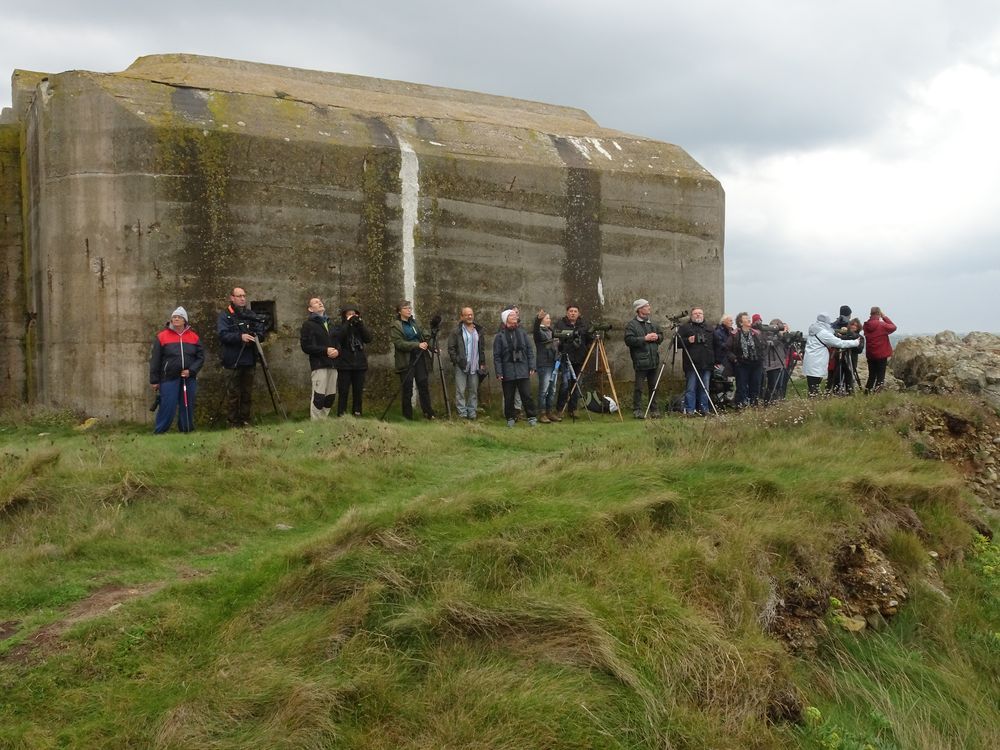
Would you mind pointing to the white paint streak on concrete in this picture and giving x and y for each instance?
(580, 145)
(600, 149)
(600, 290)
(409, 172)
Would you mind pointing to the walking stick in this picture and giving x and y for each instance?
(187, 409)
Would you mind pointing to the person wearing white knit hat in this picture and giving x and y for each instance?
(174, 361)
(643, 339)
(514, 363)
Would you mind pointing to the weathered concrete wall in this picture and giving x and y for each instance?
(181, 177)
(13, 373)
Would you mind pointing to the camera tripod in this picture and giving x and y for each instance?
(271, 388)
(600, 355)
(845, 372)
(701, 381)
(430, 352)
(435, 351)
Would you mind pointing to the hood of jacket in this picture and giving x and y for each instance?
(822, 322)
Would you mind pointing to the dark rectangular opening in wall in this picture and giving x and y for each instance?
(268, 308)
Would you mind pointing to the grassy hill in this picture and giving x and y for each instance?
(353, 584)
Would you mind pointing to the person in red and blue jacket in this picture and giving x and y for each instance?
(174, 361)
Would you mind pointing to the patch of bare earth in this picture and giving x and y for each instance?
(47, 638)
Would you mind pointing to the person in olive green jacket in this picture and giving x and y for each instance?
(412, 359)
(643, 338)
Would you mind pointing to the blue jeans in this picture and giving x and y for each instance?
(466, 393)
(172, 402)
(695, 395)
(544, 397)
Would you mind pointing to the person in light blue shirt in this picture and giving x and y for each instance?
(466, 350)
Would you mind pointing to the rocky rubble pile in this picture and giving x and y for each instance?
(973, 446)
(947, 363)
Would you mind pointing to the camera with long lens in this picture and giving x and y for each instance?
(676, 321)
(792, 338)
(569, 336)
(255, 323)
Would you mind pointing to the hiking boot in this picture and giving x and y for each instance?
(554, 417)
(532, 422)
(544, 418)
(639, 414)
(510, 422)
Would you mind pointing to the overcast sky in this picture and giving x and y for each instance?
(858, 142)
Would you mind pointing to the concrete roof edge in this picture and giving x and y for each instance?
(22, 90)
(153, 66)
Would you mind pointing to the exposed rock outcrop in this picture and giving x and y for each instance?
(947, 363)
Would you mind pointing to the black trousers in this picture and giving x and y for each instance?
(522, 386)
(419, 374)
(876, 374)
(240, 395)
(813, 384)
(355, 381)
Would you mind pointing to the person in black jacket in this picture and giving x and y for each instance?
(239, 354)
(697, 348)
(352, 363)
(747, 350)
(643, 339)
(575, 338)
(318, 339)
(174, 361)
(545, 362)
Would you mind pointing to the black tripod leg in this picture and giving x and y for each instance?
(444, 389)
(271, 388)
(407, 374)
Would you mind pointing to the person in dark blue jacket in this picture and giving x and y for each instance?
(174, 361)
(514, 363)
(239, 354)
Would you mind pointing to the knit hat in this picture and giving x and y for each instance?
(639, 303)
(182, 312)
(755, 318)
(845, 311)
(504, 315)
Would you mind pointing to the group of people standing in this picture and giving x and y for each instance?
(517, 356)
(759, 357)
(833, 347)
(335, 350)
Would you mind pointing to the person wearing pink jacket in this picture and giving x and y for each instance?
(877, 329)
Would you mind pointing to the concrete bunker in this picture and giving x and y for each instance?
(126, 194)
